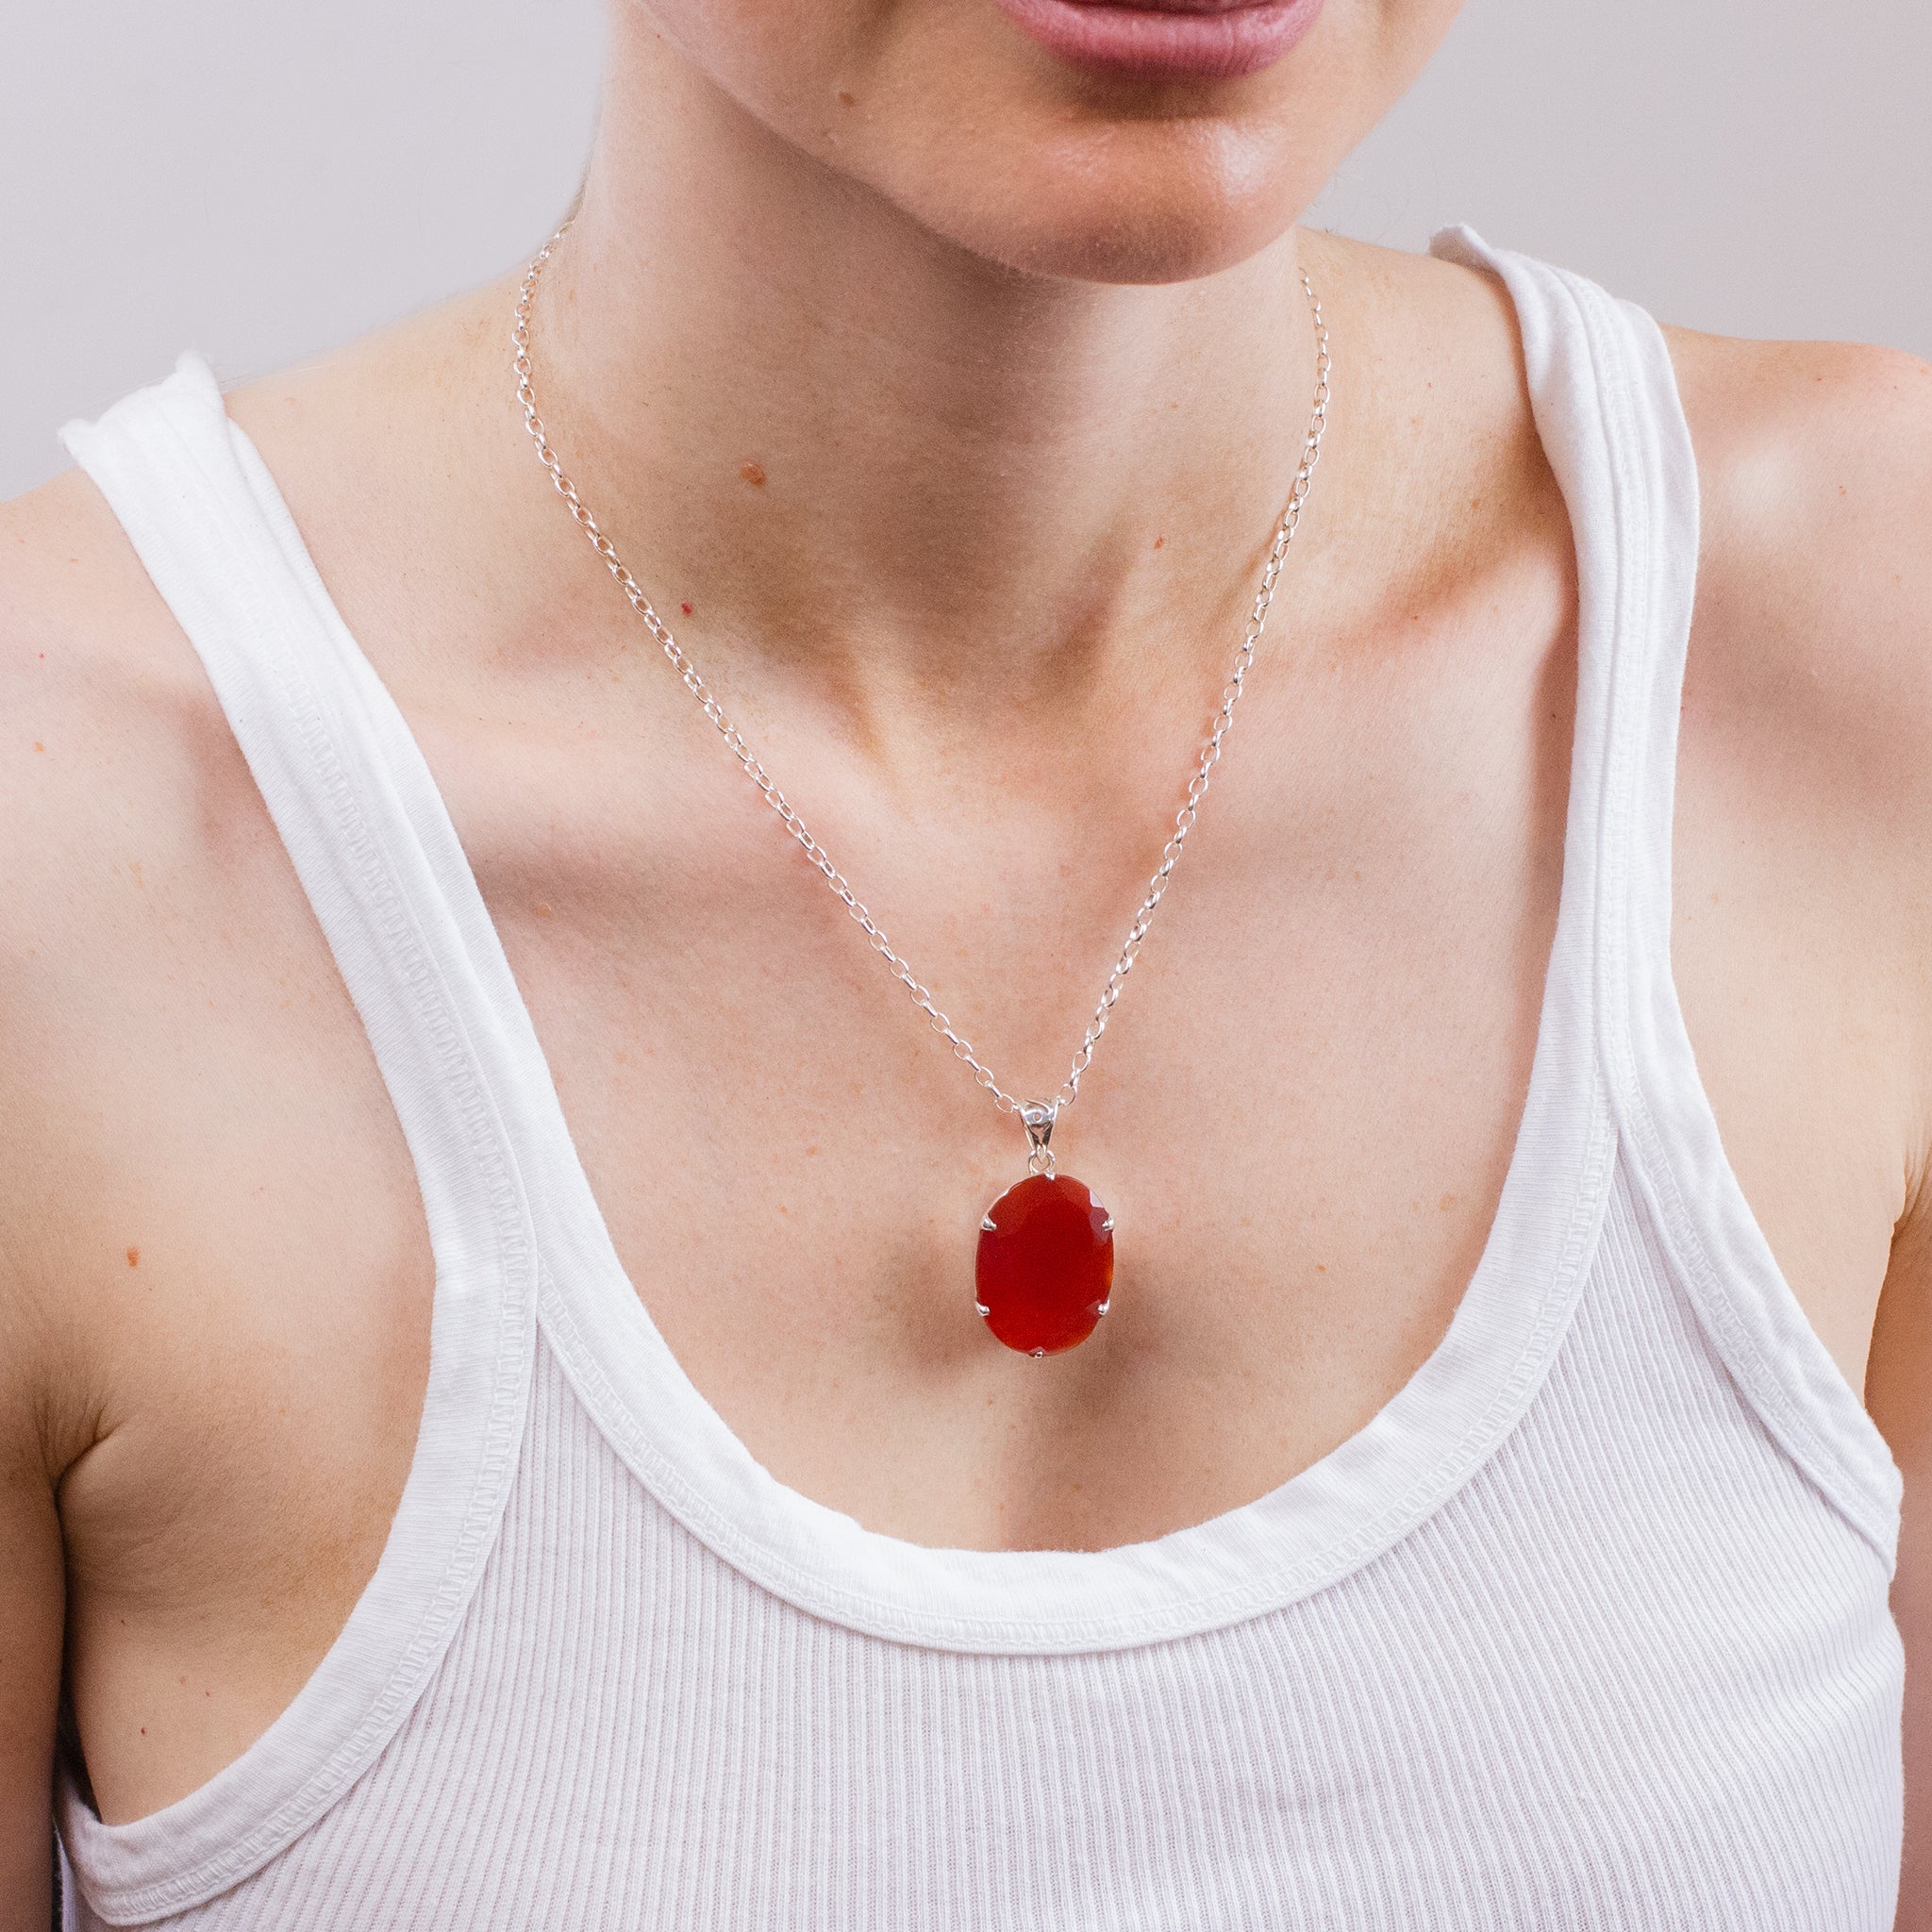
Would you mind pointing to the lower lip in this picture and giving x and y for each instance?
(1199, 42)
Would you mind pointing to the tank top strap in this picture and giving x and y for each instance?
(214, 535)
(1605, 395)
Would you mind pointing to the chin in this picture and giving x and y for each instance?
(1132, 203)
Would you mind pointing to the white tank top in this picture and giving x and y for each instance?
(1588, 1627)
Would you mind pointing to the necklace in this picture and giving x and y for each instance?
(1044, 1273)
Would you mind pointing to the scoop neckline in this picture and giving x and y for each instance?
(1330, 1517)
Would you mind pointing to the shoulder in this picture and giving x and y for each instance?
(1815, 581)
(88, 651)
(1810, 681)
(113, 734)
(1849, 400)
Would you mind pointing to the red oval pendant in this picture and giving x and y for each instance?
(1045, 1264)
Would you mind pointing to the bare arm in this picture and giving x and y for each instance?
(1898, 1375)
(1896, 581)
(32, 1601)
(1898, 1392)
(48, 1406)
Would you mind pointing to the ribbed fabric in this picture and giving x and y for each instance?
(1588, 1627)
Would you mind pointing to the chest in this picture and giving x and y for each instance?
(1299, 1123)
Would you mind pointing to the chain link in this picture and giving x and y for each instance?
(1197, 785)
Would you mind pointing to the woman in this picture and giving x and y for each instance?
(440, 1515)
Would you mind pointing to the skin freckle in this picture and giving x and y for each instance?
(38, 746)
(542, 909)
(134, 1258)
(752, 474)
(1447, 1202)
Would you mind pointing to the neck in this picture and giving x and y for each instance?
(859, 448)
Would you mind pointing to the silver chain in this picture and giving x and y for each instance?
(1184, 821)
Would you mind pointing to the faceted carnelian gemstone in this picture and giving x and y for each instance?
(1045, 1265)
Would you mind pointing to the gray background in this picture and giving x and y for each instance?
(263, 181)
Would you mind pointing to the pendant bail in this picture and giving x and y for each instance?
(1038, 1117)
